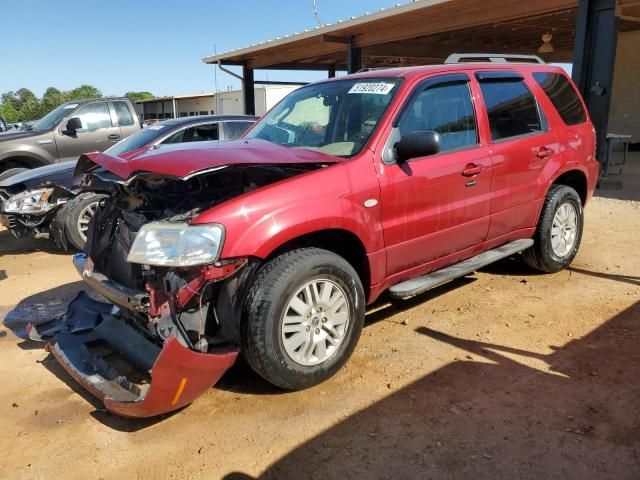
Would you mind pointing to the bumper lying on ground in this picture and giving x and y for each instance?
(120, 365)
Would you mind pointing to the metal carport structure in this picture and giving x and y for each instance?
(584, 32)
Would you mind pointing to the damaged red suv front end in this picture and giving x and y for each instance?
(160, 321)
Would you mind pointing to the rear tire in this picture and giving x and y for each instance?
(559, 231)
(79, 212)
(11, 172)
(303, 317)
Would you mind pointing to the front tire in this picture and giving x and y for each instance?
(559, 231)
(303, 317)
(79, 212)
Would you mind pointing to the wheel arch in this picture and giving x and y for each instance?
(575, 179)
(339, 241)
(21, 160)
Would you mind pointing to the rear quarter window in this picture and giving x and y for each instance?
(563, 96)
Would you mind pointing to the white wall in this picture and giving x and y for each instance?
(231, 103)
(624, 113)
(227, 103)
(195, 106)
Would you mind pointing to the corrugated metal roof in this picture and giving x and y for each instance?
(329, 28)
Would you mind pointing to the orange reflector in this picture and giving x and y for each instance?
(178, 394)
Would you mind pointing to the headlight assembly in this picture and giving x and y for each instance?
(164, 244)
(31, 202)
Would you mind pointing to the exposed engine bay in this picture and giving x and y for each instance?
(173, 322)
(176, 301)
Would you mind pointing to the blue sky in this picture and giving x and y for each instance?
(124, 45)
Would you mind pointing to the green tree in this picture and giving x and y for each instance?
(25, 96)
(9, 113)
(23, 105)
(52, 98)
(83, 92)
(134, 96)
(10, 98)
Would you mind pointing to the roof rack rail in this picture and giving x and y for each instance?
(492, 58)
(372, 69)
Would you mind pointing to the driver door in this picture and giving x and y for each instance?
(96, 135)
(440, 204)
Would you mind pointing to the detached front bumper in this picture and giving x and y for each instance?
(117, 363)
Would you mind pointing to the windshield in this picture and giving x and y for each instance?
(51, 119)
(138, 139)
(335, 117)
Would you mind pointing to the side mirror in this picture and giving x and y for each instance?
(72, 125)
(417, 144)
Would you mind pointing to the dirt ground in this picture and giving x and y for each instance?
(504, 374)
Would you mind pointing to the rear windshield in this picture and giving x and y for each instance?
(563, 96)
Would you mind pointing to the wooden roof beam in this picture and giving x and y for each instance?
(484, 14)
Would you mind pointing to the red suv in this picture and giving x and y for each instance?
(271, 246)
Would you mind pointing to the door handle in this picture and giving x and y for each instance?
(471, 169)
(114, 137)
(544, 152)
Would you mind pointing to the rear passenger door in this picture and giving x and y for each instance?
(521, 145)
(436, 205)
(576, 133)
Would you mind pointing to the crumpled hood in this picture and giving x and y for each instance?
(183, 160)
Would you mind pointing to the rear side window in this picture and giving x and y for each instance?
(563, 96)
(123, 113)
(205, 133)
(512, 108)
(234, 130)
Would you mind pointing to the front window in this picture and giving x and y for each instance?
(94, 117)
(335, 117)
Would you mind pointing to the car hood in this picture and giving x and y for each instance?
(184, 160)
(11, 135)
(57, 173)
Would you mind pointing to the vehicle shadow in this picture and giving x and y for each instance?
(242, 379)
(512, 266)
(40, 308)
(570, 414)
(608, 276)
(10, 245)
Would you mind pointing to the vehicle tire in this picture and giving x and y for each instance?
(11, 172)
(79, 212)
(303, 317)
(559, 231)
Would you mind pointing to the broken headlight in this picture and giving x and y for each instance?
(164, 244)
(31, 202)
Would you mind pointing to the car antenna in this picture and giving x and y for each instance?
(314, 11)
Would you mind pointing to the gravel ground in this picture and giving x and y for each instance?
(504, 374)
